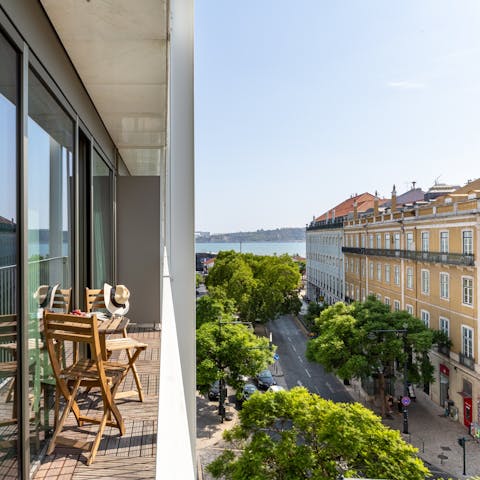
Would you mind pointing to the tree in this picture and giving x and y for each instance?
(360, 341)
(297, 435)
(262, 287)
(229, 351)
(214, 307)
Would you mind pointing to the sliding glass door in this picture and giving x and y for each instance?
(50, 233)
(9, 401)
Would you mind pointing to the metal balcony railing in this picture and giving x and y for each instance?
(469, 362)
(432, 257)
(321, 226)
(444, 350)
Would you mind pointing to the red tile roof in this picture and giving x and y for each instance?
(364, 202)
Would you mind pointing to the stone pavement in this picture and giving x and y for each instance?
(435, 435)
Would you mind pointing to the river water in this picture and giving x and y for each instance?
(258, 248)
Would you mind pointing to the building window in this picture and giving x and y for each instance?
(387, 240)
(363, 241)
(467, 241)
(396, 241)
(396, 305)
(396, 275)
(444, 242)
(379, 271)
(379, 297)
(409, 241)
(425, 241)
(467, 288)
(467, 341)
(409, 277)
(425, 316)
(387, 273)
(444, 285)
(445, 326)
(425, 282)
(363, 269)
(387, 301)
(379, 240)
(371, 270)
(370, 241)
(357, 266)
(410, 309)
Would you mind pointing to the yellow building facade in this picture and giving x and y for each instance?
(422, 258)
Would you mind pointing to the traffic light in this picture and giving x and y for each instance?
(461, 441)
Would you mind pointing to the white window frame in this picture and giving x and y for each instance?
(444, 325)
(465, 291)
(444, 241)
(425, 283)
(396, 305)
(379, 272)
(379, 240)
(467, 247)
(387, 273)
(425, 317)
(387, 301)
(379, 297)
(410, 278)
(372, 270)
(425, 241)
(387, 241)
(444, 285)
(396, 274)
(409, 309)
(409, 241)
(370, 240)
(467, 341)
(396, 241)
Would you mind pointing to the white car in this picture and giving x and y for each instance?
(275, 388)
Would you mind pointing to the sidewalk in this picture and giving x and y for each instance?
(435, 435)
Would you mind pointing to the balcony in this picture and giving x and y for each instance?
(431, 257)
(444, 350)
(322, 226)
(469, 362)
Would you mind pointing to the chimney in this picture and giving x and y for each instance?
(375, 204)
(393, 208)
(355, 212)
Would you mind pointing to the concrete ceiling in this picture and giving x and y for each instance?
(119, 48)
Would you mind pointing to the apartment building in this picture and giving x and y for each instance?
(421, 257)
(96, 162)
(324, 242)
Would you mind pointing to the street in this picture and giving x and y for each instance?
(298, 371)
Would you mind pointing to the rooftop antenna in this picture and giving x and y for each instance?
(436, 180)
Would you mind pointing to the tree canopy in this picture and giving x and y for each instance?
(229, 351)
(294, 435)
(214, 307)
(261, 286)
(360, 340)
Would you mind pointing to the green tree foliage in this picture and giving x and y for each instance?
(261, 286)
(198, 279)
(350, 345)
(214, 307)
(229, 351)
(313, 312)
(294, 435)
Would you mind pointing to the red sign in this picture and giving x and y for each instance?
(444, 370)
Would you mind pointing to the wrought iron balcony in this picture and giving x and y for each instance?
(432, 257)
(321, 226)
(469, 362)
(444, 350)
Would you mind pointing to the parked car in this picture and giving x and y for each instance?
(214, 392)
(275, 388)
(248, 390)
(265, 379)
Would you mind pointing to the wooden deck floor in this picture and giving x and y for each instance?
(131, 456)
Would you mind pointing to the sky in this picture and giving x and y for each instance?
(299, 105)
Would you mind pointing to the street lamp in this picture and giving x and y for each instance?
(405, 397)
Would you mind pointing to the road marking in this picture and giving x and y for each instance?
(294, 349)
(289, 339)
(300, 358)
(329, 386)
(308, 373)
(299, 383)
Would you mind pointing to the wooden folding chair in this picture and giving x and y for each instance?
(94, 301)
(83, 372)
